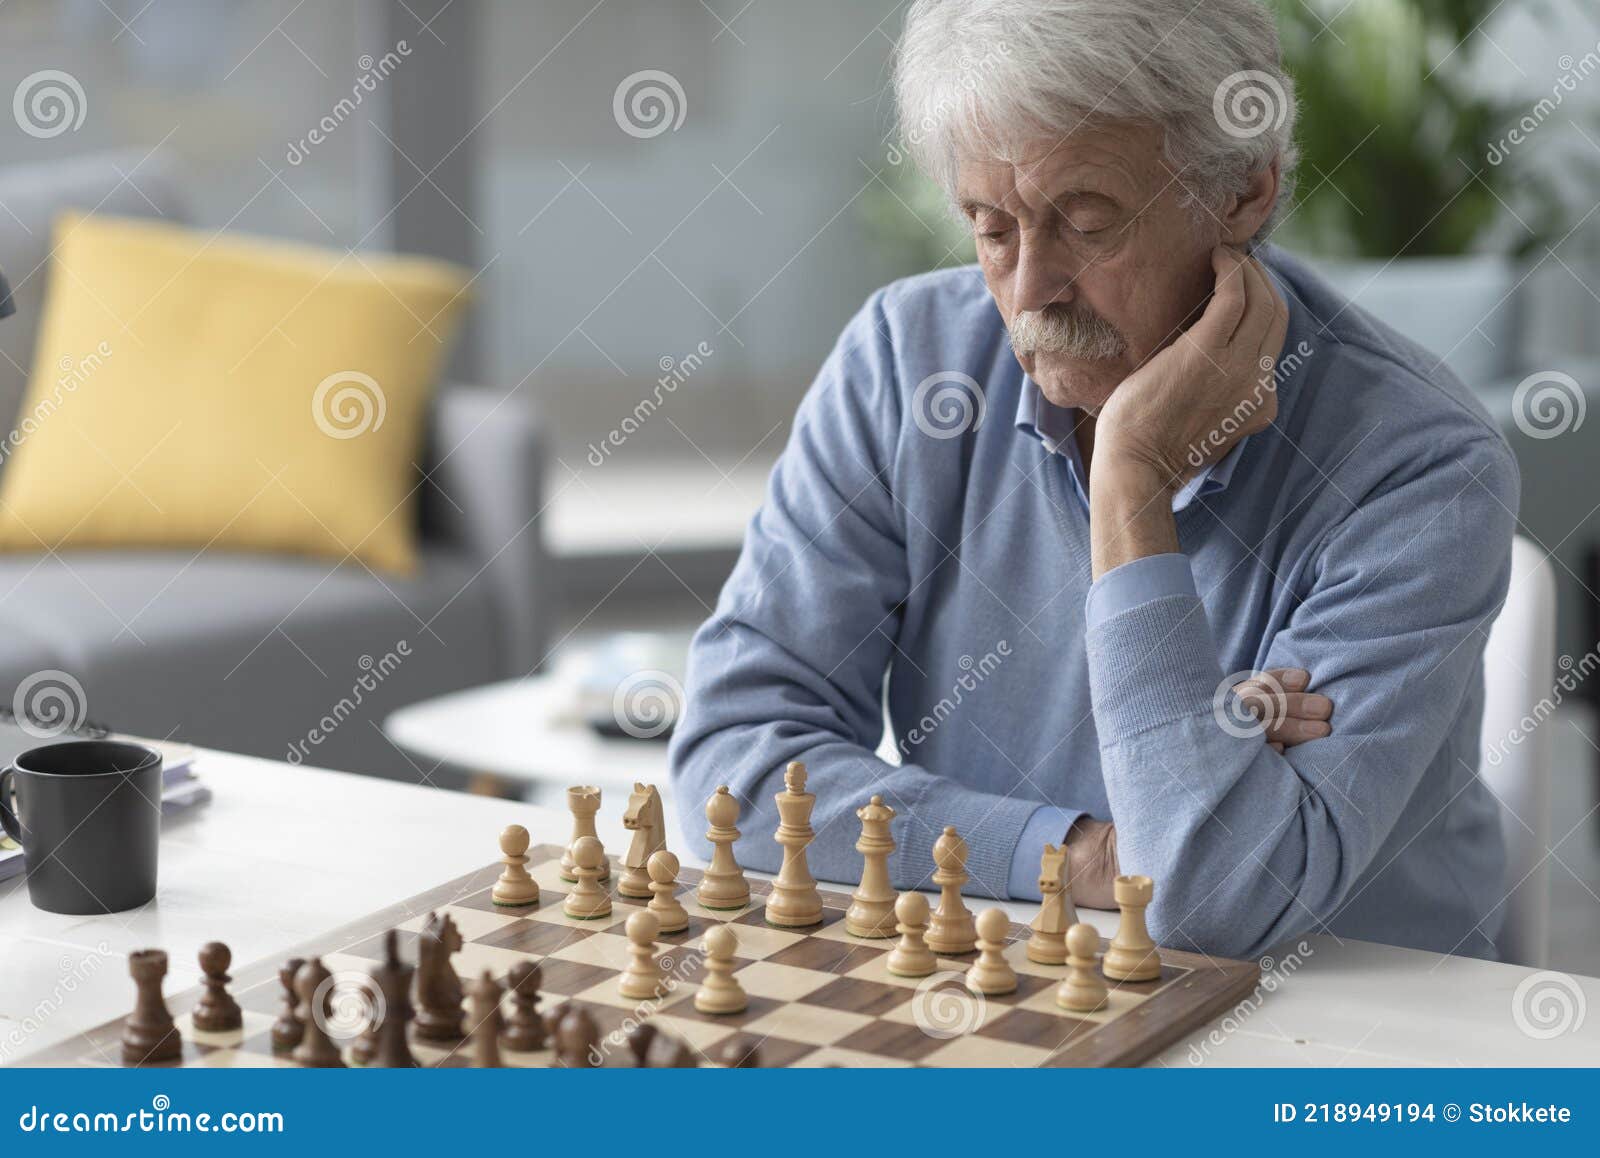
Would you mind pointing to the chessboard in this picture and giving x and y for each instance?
(818, 996)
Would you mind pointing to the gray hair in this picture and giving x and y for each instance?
(980, 77)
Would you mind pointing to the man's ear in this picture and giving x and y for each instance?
(1244, 214)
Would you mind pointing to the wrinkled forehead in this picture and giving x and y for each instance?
(1120, 160)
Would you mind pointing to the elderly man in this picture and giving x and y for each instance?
(1047, 511)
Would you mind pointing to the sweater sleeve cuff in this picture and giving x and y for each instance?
(1047, 825)
(1136, 583)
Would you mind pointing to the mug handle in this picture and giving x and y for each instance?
(8, 819)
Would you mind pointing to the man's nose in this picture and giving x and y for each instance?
(1042, 276)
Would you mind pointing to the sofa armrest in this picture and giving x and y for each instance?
(484, 497)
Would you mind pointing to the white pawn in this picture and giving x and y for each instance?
(991, 973)
(515, 888)
(663, 869)
(911, 957)
(642, 979)
(1083, 990)
(720, 992)
(587, 901)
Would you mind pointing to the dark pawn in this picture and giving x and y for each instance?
(671, 1053)
(552, 1021)
(639, 1039)
(578, 1041)
(216, 1011)
(316, 1048)
(393, 978)
(287, 1030)
(740, 1053)
(149, 1035)
(524, 1029)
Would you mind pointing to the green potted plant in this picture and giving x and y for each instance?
(1419, 193)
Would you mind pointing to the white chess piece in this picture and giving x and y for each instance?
(587, 901)
(663, 869)
(794, 902)
(722, 885)
(720, 992)
(991, 973)
(515, 888)
(951, 930)
(583, 801)
(642, 979)
(1132, 955)
(1083, 990)
(911, 957)
(871, 912)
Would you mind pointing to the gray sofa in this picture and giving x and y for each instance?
(259, 653)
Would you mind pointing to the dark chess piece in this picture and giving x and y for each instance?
(552, 1021)
(524, 1028)
(671, 1053)
(578, 1041)
(740, 1053)
(216, 1011)
(639, 1039)
(393, 978)
(486, 1022)
(149, 1035)
(287, 1030)
(438, 990)
(316, 1048)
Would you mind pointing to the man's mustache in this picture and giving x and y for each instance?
(1066, 328)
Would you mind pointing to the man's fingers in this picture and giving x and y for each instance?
(1291, 731)
(1291, 679)
(1222, 313)
(1268, 703)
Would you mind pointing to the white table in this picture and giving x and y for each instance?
(526, 732)
(284, 854)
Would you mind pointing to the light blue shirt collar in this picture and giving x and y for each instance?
(1053, 426)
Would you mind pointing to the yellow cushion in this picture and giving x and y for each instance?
(214, 391)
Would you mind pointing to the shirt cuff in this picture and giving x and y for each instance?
(1136, 583)
(1047, 825)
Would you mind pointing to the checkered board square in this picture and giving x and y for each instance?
(818, 996)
